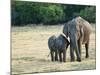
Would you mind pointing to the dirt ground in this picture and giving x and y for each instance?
(30, 50)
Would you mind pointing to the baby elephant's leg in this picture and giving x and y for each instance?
(56, 55)
(52, 56)
(64, 55)
(60, 56)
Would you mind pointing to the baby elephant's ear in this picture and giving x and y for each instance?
(81, 32)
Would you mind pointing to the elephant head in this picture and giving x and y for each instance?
(71, 31)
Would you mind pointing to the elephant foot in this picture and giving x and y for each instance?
(72, 60)
(64, 61)
(52, 60)
(61, 61)
(87, 56)
(56, 59)
(79, 60)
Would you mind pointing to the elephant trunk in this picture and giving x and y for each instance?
(74, 41)
(75, 46)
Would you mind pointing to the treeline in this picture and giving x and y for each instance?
(23, 13)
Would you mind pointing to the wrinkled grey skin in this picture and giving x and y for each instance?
(58, 46)
(78, 31)
(70, 30)
(62, 44)
(52, 47)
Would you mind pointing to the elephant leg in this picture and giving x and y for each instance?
(78, 55)
(72, 53)
(86, 47)
(64, 55)
(79, 47)
(78, 52)
(56, 56)
(60, 56)
(52, 56)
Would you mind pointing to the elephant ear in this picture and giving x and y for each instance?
(81, 33)
(80, 28)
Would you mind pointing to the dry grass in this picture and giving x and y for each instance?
(30, 50)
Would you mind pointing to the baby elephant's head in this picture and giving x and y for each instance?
(65, 40)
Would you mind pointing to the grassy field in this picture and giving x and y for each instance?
(30, 51)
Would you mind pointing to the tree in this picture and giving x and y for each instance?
(89, 13)
(51, 14)
(23, 13)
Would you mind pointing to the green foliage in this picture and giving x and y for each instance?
(89, 13)
(51, 14)
(72, 10)
(26, 13)
(35, 13)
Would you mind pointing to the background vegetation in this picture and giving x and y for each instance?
(23, 13)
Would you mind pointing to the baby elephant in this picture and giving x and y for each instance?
(58, 46)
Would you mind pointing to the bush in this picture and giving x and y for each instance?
(23, 13)
(51, 14)
(26, 13)
(89, 13)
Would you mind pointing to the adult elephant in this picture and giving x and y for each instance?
(78, 31)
